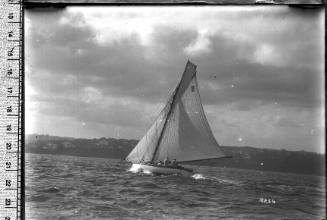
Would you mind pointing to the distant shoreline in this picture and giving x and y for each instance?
(28, 136)
(298, 162)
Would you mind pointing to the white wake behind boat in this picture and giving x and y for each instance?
(181, 132)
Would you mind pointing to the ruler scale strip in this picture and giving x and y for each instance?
(11, 110)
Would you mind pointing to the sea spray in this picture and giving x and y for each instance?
(198, 176)
(135, 168)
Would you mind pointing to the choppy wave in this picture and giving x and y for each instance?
(65, 187)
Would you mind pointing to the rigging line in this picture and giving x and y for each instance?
(162, 111)
(170, 110)
(165, 124)
(214, 158)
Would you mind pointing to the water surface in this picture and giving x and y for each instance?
(68, 187)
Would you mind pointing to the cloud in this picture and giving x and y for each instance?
(267, 54)
(104, 71)
(200, 46)
(285, 122)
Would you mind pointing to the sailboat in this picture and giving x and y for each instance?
(180, 133)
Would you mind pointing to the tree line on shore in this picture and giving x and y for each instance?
(300, 162)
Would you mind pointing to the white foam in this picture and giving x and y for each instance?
(226, 181)
(135, 168)
(198, 176)
(147, 172)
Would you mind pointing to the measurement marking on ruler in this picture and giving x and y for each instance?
(13, 132)
(12, 32)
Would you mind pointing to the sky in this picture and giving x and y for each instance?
(107, 71)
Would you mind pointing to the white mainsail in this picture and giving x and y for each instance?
(181, 131)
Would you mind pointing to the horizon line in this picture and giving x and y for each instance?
(279, 149)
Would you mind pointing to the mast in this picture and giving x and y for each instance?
(170, 111)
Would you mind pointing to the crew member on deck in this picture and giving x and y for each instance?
(174, 163)
(166, 161)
